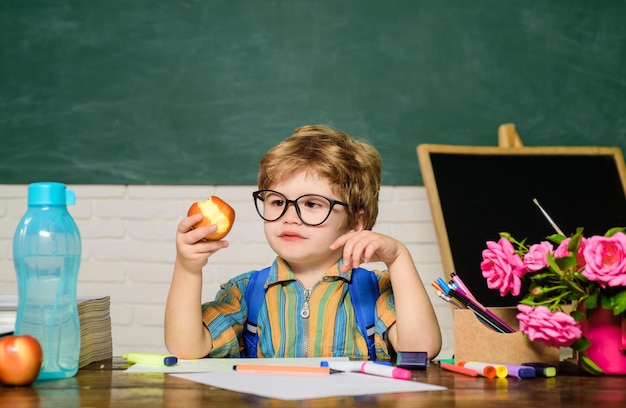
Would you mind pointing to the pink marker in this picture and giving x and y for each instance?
(372, 368)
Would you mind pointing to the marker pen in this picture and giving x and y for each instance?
(412, 360)
(459, 369)
(482, 369)
(277, 369)
(382, 368)
(520, 371)
(444, 285)
(372, 368)
(151, 359)
(354, 366)
(501, 371)
(456, 279)
(542, 370)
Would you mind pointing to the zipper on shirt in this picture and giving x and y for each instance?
(305, 307)
(305, 313)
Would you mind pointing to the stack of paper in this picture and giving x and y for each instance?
(96, 342)
(94, 314)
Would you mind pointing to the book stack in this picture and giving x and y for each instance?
(94, 314)
(96, 342)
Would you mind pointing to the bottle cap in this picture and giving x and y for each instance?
(50, 193)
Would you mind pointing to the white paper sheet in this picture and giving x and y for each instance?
(299, 387)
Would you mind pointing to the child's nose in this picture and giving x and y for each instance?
(291, 215)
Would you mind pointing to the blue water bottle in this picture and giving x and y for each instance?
(46, 253)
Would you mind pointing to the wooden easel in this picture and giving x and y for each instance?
(508, 136)
(475, 192)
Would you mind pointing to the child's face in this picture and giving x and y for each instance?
(304, 246)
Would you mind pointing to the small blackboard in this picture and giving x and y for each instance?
(477, 192)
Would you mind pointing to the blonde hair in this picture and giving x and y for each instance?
(353, 168)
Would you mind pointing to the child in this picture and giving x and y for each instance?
(318, 198)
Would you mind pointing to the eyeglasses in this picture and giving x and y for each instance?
(312, 209)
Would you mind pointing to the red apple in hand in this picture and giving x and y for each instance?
(20, 360)
(214, 211)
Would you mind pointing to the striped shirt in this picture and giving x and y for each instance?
(329, 331)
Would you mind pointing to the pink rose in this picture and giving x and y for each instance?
(502, 267)
(537, 256)
(606, 260)
(562, 252)
(552, 329)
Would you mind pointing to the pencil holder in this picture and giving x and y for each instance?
(473, 341)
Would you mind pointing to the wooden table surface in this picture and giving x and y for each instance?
(105, 384)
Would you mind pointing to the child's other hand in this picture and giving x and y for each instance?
(192, 249)
(367, 246)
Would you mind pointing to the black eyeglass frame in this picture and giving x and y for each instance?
(257, 196)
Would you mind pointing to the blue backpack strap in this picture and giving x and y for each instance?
(364, 292)
(255, 297)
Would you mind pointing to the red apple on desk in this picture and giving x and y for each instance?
(214, 211)
(20, 360)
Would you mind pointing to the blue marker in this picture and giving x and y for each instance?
(520, 371)
(444, 285)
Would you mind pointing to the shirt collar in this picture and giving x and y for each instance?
(281, 272)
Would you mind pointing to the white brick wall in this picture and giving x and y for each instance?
(128, 237)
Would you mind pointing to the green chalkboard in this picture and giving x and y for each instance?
(195, 91)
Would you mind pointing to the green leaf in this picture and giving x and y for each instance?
(606, 302)
(619, 303)
(589, 366)
(577, 315)
(592, 301)
(574, 243)
(556, 238)
(581, 344)
(614, 230)
(565, 263)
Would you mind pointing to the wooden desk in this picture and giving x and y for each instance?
(107, 385)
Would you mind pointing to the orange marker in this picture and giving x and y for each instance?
(278, 369)
(501, 370)
(459, 369)
(483, 370)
